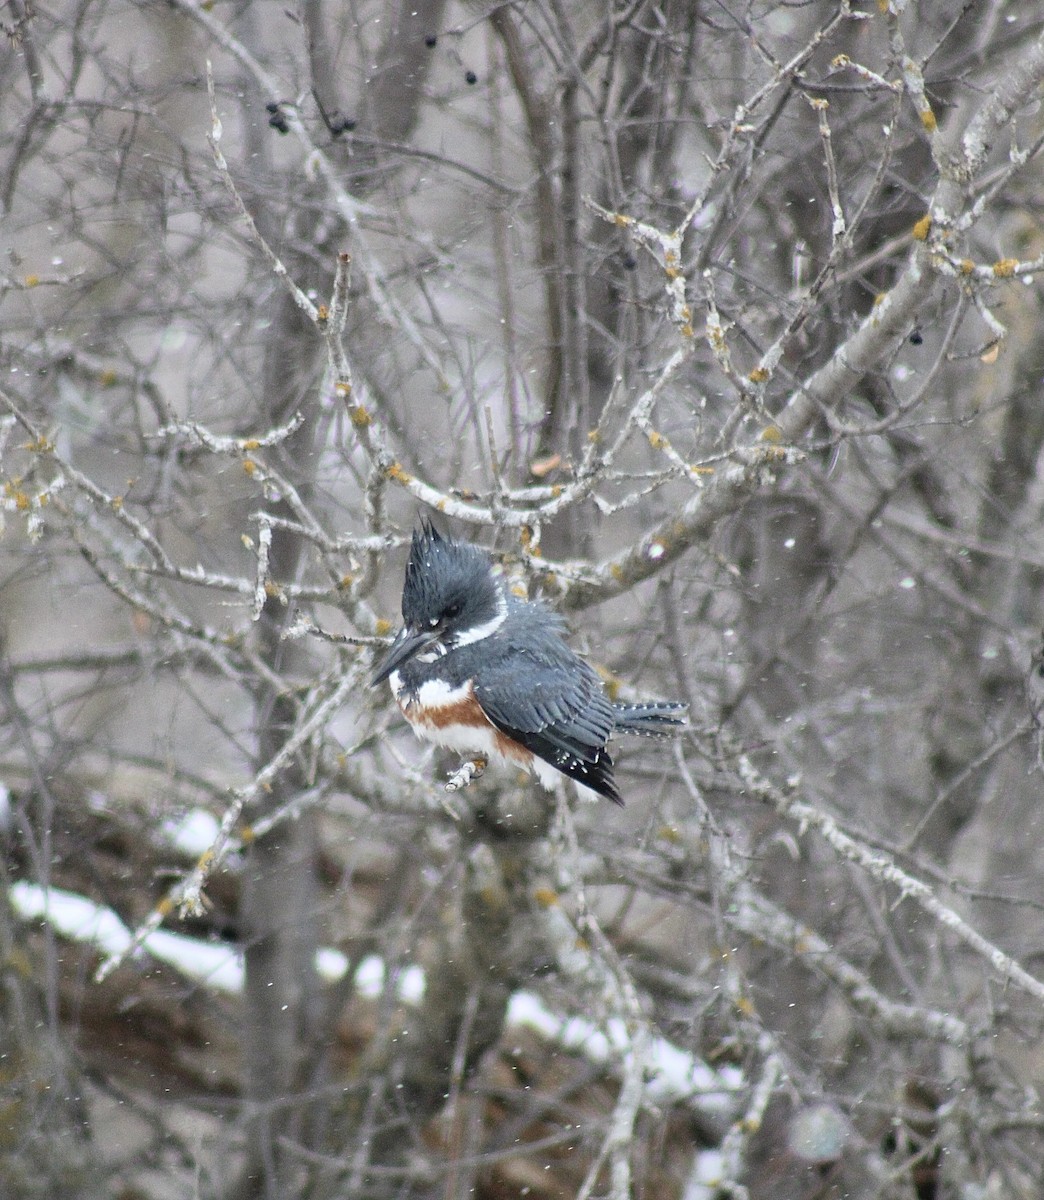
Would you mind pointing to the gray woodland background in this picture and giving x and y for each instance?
(720, 324)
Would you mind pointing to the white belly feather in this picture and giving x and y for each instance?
(464, 739)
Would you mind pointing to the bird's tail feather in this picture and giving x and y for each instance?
(656, 719)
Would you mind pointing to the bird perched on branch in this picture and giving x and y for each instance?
(481, 671)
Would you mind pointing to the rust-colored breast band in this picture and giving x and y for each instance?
(467, 712)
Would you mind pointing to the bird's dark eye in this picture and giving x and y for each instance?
(453, 610)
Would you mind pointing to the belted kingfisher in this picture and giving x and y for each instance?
(479, 670)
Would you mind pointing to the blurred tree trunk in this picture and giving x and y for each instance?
(46, 1148)
(281, 900)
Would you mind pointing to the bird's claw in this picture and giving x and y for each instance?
(468, 770)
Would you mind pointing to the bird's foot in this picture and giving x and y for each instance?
(471, 769)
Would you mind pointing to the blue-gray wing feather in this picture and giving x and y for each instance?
(552, 703)
(562, 703)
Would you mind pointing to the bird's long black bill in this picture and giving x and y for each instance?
(406, 645)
